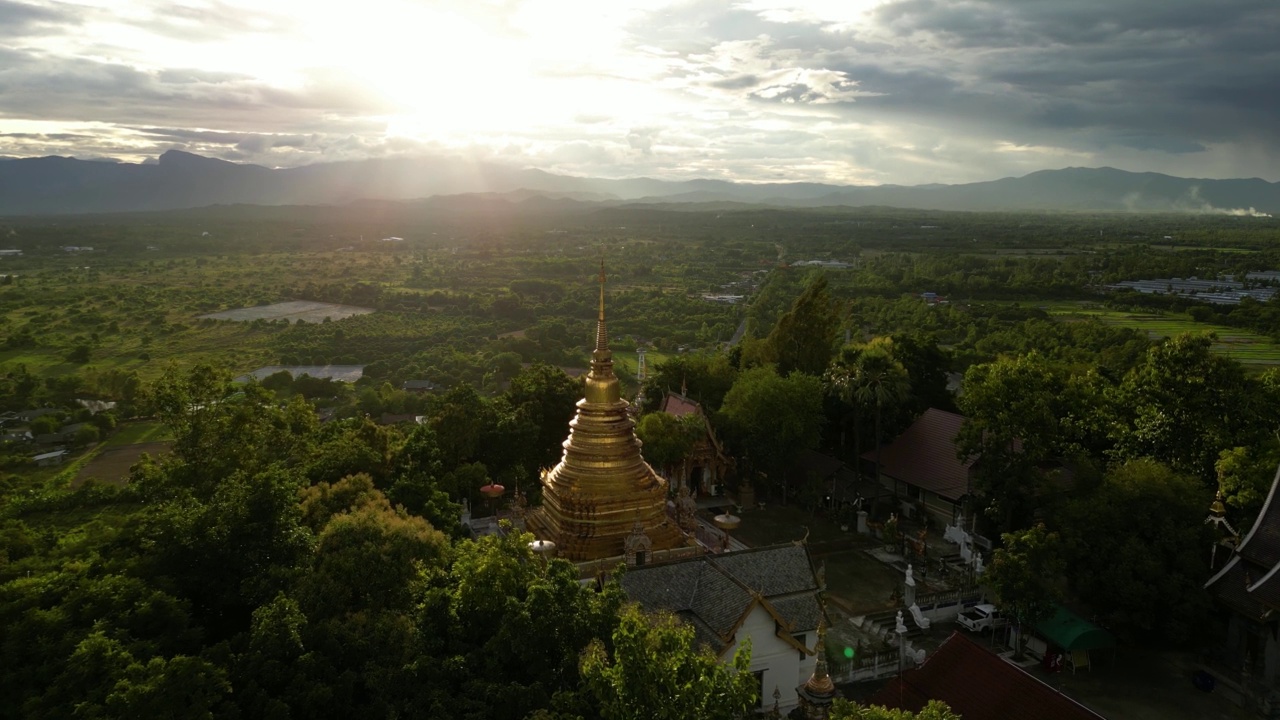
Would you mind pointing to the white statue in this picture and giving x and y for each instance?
(911, 580)
(901, 629)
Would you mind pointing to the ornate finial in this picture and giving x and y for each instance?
(602, 335)
(601, 289)
(1217, 509)
(819, 685)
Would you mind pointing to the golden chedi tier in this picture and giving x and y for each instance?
(602, 487)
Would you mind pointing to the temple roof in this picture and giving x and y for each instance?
(1231, 586)
(1262, 544)
(714, 593)
(925, 455)
(676, 404)
(978, 685)
(1250, 582)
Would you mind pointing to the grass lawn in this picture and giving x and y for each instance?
(862, 582)
(627, 359)
(777, 524)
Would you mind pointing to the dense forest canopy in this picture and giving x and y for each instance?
(295, 550)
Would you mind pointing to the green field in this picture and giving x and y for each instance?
(139, 432)
(1246, 347)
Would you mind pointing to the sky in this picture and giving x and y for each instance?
(838, 91)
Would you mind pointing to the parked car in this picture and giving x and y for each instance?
(982, 617)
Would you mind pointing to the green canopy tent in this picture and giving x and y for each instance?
(1075, 635)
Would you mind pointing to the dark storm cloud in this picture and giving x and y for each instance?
(79, 89)
(20, 19)
(1162, 75)
(737, 82)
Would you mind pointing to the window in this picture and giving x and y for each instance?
(759, 676)
(801, 638)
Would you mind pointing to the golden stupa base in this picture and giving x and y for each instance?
(582, 541)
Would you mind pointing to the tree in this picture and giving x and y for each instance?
(804, 338)
(1245, 475)
(540, 401)
(843, 709)
(881, 381)
(668, 439)
(80, 354)
(769, 419)
(656, 673)
(926, 365)
(1022, 413)
(706, 377)
(1185, 405)
(45, 425)
(1026, 576)
(1137, 540)
(869, 378)
(85, 435)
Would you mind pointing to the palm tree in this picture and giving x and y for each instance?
(879, 380)
(866, 376)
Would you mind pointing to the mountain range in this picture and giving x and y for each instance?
(60, 185)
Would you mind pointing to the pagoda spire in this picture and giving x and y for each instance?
(602, 384)
(602, 490)
(817, 694)
(602, 333)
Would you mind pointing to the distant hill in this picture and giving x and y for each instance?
(58, 185)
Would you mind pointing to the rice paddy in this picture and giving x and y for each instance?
(1247, 347)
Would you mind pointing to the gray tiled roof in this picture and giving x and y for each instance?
(713, 593)
(771, 571)
(802, 611)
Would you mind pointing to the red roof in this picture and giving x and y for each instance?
(679, 405)
(925, 455)
(978, 685)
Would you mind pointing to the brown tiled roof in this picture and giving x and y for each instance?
(978, 685)
(925, 455)
(679, 405)
(1262, 544)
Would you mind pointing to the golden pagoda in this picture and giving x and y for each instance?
(602, 490)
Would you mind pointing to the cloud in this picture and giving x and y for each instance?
(841, 90)
(20, 19)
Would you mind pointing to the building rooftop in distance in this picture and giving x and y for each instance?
(340, 373)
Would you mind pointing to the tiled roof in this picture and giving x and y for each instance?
(771, 571)
(714, 592)
(1266, 588)
(1231, 586)
(1262, 544)
(679, 405)
(978, 685)
(1250, 582)
(925, 455)
(802, 611)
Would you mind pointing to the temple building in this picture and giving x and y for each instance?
(602, 494)
(704, 468)
(1245, 586)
